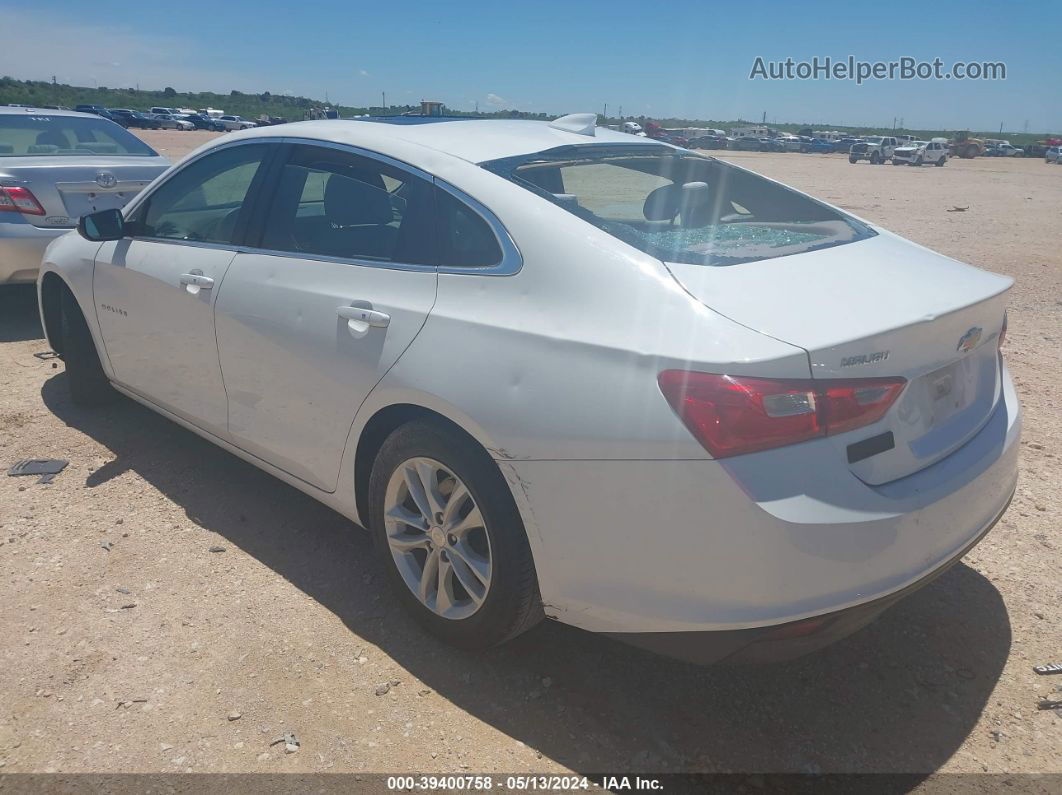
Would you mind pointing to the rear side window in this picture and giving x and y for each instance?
(338, 204)
(465, 238)
(67, 136)
(203, 200)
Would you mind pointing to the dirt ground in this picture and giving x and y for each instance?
(129, 645)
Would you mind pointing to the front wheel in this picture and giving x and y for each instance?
(853, 159)
(450, 536)
(940, 161)
(919, 162)
(875, 159)
(85, 378)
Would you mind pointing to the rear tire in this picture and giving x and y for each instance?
(85, 378)
(853, 159)
(875, 158)
(443, 459)
(940, 161)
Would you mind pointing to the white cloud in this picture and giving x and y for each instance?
(494, 99)
(363, 73)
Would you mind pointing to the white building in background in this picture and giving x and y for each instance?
(755, 130)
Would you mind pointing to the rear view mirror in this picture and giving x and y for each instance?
(101, 226)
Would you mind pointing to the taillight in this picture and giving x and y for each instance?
(1002, 333)
(731, 415)
(19, 200)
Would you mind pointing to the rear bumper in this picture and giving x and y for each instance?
(21, 250)
(757, 541)
(784, 641)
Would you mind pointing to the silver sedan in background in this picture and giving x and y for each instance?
(56, 166)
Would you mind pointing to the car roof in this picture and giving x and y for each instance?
(420, 140)
(44, 111)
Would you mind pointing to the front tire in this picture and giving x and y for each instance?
(448, 533)
(85, 378)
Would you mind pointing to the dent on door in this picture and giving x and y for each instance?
(302, 343)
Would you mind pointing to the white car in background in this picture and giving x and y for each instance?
(561, 371)
(236, 123)
(1053, 154)
(917, 153)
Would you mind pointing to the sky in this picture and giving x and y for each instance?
(653, 59)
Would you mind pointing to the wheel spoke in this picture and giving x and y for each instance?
(444, 599)
(470, 522)
(426, 472)
(429, 577)
(473, 580)
(458, 497)
(403, 515)
(407, 543)
(415, 486)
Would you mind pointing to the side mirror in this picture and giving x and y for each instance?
(102, 226)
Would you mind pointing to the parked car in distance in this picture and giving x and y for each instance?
(817, 146)
(281, 298)
(56, 166)
(1008, 150)
(96, 110)
(1053, 155)
(203, 122)
(134, 118)
(791, 143)
(845, 144)
(875, 148)
(164, 111)
(230, 122)
(917, 153)
(708, 142)
(746, 143)
(772, 145)
(169, 122)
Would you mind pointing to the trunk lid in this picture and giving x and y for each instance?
(879, 307)
(69, 186)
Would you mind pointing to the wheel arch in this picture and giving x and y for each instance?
(384, 421)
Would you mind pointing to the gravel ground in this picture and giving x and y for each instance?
(167, 607)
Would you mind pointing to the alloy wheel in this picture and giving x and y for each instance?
(438, 538)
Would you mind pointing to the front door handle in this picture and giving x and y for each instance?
(360, 319)
(194, 282)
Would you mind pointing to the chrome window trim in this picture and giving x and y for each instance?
(511, 261)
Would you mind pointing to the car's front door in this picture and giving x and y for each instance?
(341, 282)
(155, 290)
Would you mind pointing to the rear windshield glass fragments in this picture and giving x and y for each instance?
(74, 136)
(678, 206)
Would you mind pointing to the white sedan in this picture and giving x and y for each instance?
(560, 371)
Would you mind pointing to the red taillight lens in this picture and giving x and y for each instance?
(1002, 333)
(731, 415)
(19, 200)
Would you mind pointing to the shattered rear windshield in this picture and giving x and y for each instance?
(678, 206)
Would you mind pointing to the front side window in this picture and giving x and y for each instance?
(203, 200)
(681, 207)
(338, 204)
(67, 136)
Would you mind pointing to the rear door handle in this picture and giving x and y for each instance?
(360, 319)
(194, 282)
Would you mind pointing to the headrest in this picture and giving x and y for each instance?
(695, 204)
(52, 138)
(662, 204)
(41, 149)
(349, 201)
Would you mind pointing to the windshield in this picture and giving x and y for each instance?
(681, 207)
(37, 136)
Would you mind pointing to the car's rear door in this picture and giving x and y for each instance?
(155, 291)
(340, 282)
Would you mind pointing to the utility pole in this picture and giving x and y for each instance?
(764, 118)
(604, 113)
(383, 100)
(477, 106)
(1001, 128)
